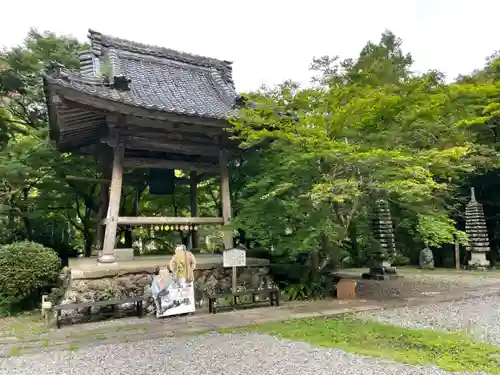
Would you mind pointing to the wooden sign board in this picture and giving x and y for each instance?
(346, 289)
(234, 258)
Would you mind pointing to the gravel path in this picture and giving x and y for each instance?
(479, 317)
(208, 354)
(262, 355)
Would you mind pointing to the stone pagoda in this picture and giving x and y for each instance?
(384, 234)
(475, 227)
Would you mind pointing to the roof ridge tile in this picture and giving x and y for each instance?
(101, 40)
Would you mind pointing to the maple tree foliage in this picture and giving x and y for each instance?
(369, 128)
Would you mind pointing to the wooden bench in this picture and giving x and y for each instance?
(273, 294)
(137, 301)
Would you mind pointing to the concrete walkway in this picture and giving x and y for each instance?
(134, 329)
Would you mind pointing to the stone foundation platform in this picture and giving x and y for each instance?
(86, 280)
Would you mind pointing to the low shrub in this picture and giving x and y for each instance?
(26, 270)
(401, 260)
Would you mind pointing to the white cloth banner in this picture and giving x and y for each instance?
(171, 297)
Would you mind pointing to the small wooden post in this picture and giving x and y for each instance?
(457, 255)
(193, 184)
(108, 250)
(234, 258)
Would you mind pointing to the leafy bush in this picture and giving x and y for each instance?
(401, 260)
(306, 291)
(26, 269)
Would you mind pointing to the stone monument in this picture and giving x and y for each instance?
(475, 227)
(426, 258)
(384, 233)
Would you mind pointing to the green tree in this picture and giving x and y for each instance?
(378, 63)
(367, 130)
(34, 188)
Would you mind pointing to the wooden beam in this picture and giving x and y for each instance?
(88, 179)
(171, 137)
(137, 143)
(165, 220)
(193, 194)
(128, 179)
(171, 164)
(135, 123)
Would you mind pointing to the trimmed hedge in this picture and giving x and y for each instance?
(26, 269)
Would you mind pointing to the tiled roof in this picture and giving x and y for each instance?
(152, 78)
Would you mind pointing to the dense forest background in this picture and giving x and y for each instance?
(365, 126)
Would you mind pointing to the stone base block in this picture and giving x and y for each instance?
(124, 254)
(101, 282)
(384, 272)
(478, 260)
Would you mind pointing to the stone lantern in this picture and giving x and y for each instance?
(475, 227)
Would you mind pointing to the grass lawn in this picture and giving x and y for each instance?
(449, 351)
(23, 325)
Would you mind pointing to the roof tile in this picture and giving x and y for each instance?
(159, 78)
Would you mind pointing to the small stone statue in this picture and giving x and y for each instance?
(426, 258)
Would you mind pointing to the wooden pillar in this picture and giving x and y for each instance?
(108, 250)
(193, 184)
(105, 160)
(225, 199)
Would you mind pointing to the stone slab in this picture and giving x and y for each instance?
(124, 255)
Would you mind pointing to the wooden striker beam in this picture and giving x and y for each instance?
(165, 220)
(225, 198)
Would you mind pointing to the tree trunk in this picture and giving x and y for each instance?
(26, 220)
(87, 247)
(87, 233)
(353, 239)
